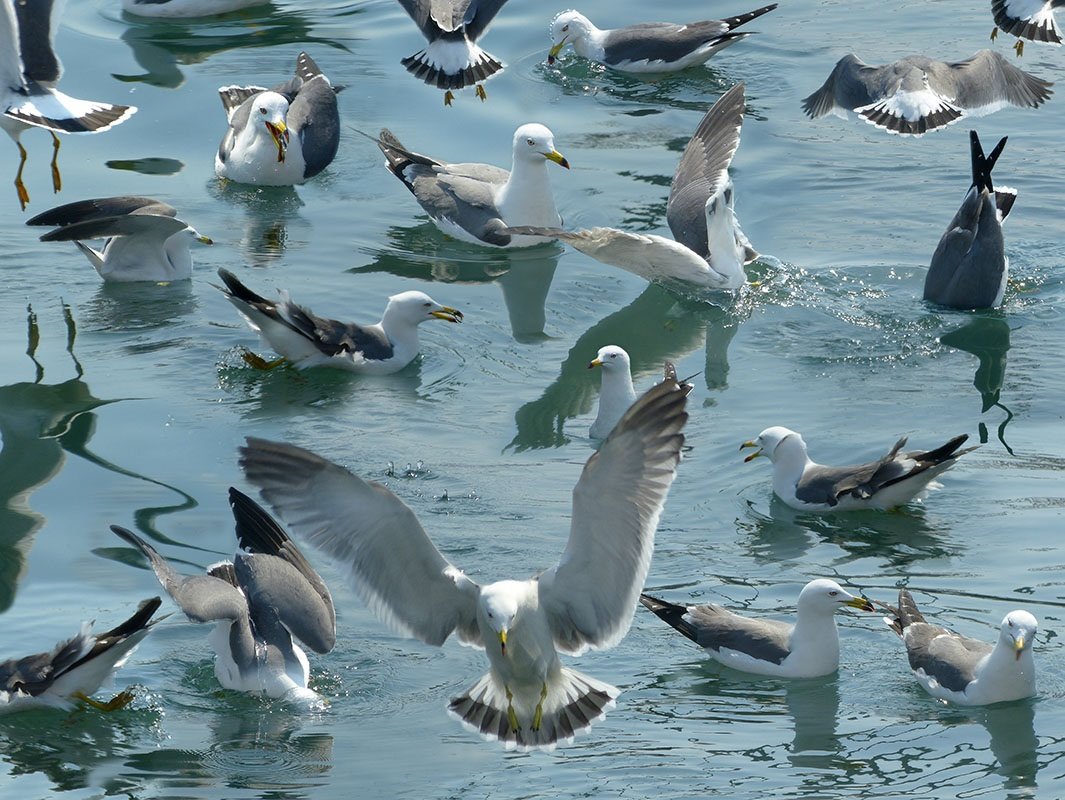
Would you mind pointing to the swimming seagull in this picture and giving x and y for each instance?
(527, 699)
(649, 46)
(179, 9)
(890, 481)
(616, 392)
(267, 595)
(969, 267)
(308, 340)
(708, 249)
(28, 76)
(452, 60)
(76, 667)
(916, 94)
(967, 671)
(1027, 19)
(257, 147)
(145, 239)
(808, 648)
(476, 202)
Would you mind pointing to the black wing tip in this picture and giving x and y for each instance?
(743, 19)
(140, 620)
(256, 530)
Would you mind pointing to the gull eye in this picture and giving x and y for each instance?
(613, 355)
(565, 27)
(427, 305)
(262, 110)
(530, 141)
(833, 593)
(490, 615)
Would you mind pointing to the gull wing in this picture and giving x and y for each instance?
(101, 207)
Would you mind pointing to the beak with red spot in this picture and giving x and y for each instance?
(279, 133)
(753, 455)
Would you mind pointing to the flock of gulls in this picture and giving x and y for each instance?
(269, 596)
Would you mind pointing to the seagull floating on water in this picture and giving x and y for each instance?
(648, 46)
(29, 73)
(917, 94)
(75, 668)
(145, 239)
(893, 480)
(476, 202)
(268, 594)
(308, 340)
(616, 394)
(257, 147)
(808, 648)
(1033, 20)
(708, 249)
(527, 699)
(179, 9)
(967, 671)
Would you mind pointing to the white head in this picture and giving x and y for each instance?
(194, 235)
(499, 603)
(567, 27)
(825, 596)
(269, 110)
(533, 143)
(414, 308)
(612, 359)
(1018, 631)
(776, 442)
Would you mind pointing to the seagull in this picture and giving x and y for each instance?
(916, 94)
(262, 599)
(808, 648)
(1027, 19)
(527, 699)
(452, 60)
(649, 46)
(893, 480)
(616, 393)
(967, 671)
(256, 147)
(476, 202)
(708, 249)
(308, 340)
(28, 75)
(76, 667)
(145, 239)
(970, 267)
(178, 9)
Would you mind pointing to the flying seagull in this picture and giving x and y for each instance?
(258, 146)
(527, 699)
(76, 667)
(967, 671)
(917, 94)
(28, 76)
(1033, 20)
(262, 599)
(708, 249)
(890, 481)
(649, 46)
(145, 239)
(808, 648)
(969, 267)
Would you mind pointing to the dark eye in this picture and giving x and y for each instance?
(490, 615)
(530, 142)
(262, 110)
(833, 593)
(565, 28)
(613, 355)
(427, 305)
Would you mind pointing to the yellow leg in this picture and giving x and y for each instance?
(1019, 47)
(259, 362)
(120, 700)
(994, 33)
(57, 182)
(481, 93)
(538, 715)
(512, 717)
(20, 187)
(448, 97)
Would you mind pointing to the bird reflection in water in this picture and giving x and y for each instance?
(987, 338)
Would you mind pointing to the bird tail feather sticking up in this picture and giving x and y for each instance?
(450, 64)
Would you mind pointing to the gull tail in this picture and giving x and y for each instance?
(568, 703)
(1040, 26)
(65, 114)
(905, 615)
(671, 614)
(452, 64)
(743, 19)
(911, 113)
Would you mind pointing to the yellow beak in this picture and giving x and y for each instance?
(753, 455)
(552, 54)
(280, 134)
(204, 240)
(1018, 646)
(595, 362)
(861, 602)
(503, 641)
(447, 314)
(558, 158)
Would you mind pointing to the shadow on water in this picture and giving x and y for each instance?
(138, 306)
(269, 211)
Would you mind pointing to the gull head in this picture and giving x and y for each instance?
(565, 28)
(611, 358)
(826, 596)
(499, 604)
(196, 236)
(534, 142)
(771, 441)
(414, 308)
(1018, 632)
(271, 108)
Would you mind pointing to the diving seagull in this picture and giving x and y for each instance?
(28, 77)
(308, 340)
(264, 597)
(527, 699)
(476, 202)
(917, 94)
(180, 9)
(807, 648)
(281, 136)
(76, 667)
(145, 239)
(708, 249)
(967, 671)
(649, 46)
(969, 267)
(452, 60)
(890, 481)
(1033, 20)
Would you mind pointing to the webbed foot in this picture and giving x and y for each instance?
(448, 97)
(258, 362)
(481, 93)
(120, 700)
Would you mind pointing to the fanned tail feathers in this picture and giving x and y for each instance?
(431, 65)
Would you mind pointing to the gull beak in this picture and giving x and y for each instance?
(280, 134)
(552, 54)
(204, 240)
(595, 362)
(861, 603)
(447, 314)
(753, 455)
(1018, 646)
(558, 158)
(503, 641)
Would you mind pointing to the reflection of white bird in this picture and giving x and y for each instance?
(176, 9)
(616, 393)
(1033, 20)
(264, 597)
(527, 699)
(806, 649)
(967, 671)
(145, 239)
(708, 249)
(890, 481)
(75, 668)
(29, 71)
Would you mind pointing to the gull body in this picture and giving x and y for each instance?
(967, 671)
(527, 699)
(807, 648)
(616, 393)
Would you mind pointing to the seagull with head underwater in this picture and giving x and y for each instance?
(890, 481)
(708, 249)
(1033, 20)
(527, 699)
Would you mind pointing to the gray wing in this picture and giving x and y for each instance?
(947, 656)
(395, 568)
(590, 594)
(37, 21)
(479, 14)
(10, 64)
(129, 225)
(434, 17)
(851, 84)
(233, 97)
(239, 119)
(661, 41)
(314, 118)
(100, 207)
(988, 79)
(34, 674)
(703, 170)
